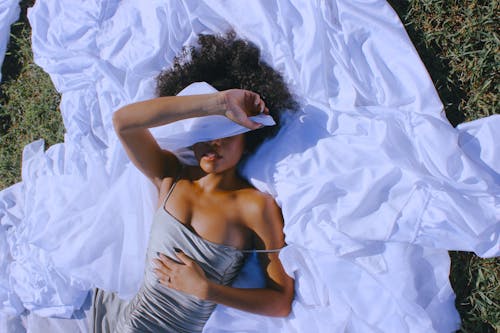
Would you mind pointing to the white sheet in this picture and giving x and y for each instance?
(373, 181)
(9, 13)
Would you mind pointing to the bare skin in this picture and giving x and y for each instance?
(210, 199)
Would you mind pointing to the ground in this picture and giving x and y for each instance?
(458, 42)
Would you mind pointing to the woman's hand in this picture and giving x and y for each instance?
(241, 104)
(186, 276)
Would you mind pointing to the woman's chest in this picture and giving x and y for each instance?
(216, 218)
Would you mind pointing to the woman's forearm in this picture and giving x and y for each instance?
(187, 276)
(166, 110)
(263, 301)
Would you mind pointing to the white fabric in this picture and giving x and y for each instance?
(373, 181)
(9, 13)
(184, 133)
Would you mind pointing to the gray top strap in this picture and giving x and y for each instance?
(179, 174)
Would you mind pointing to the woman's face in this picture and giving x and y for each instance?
(219, 155)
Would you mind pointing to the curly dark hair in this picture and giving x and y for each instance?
(227, 62)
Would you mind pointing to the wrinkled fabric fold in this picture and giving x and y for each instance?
(375, 185)
(9, 13)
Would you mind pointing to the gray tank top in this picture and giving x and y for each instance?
(157, 308)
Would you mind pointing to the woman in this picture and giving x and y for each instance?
(208, 216)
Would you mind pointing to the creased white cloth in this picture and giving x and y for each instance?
(9, 13)
(374, 183)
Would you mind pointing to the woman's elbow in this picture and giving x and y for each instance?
(117, 121)
(122, 121)
(283, 308)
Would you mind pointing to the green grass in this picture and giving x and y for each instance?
(476, 282)
(28, 105)
(458, 42)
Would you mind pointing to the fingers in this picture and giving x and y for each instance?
(245, 100)
(164, 264)
(168, 264)
(160, 266)
(163, 277)
(184, 258)
(260, 104)
(165, 267)
(257, 100)
(165, 261)
(241, 104)
(266, 110)
(248, 123)
(262, 107)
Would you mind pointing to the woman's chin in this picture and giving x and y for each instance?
(213, 168)
(209, 167)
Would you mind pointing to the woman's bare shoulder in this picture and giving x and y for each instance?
(256, 204)
(252, 193)
(183, 176)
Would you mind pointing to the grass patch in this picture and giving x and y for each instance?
(29, 106)
(476, 282)
(458, 42)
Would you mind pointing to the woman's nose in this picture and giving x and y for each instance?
(214, 142)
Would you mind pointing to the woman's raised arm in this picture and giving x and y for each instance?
(132, 123)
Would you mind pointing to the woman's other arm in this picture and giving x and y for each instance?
(276, 298)
(273, 300)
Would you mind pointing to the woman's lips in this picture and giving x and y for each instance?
(211, 156)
